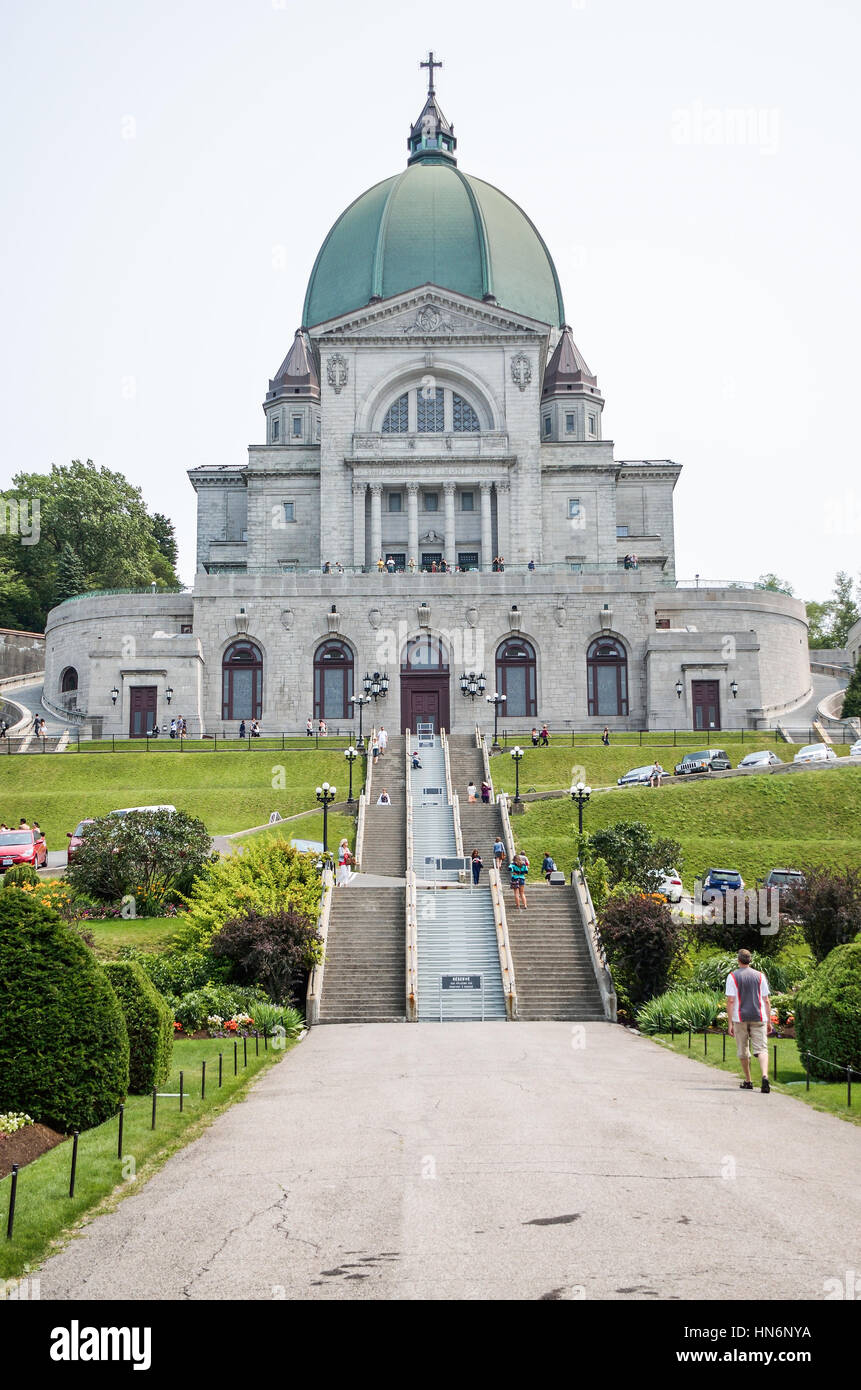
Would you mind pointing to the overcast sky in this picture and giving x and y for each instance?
(171, 170)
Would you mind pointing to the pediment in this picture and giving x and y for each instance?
(429, 315)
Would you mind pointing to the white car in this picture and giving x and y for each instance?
(671, 886)
(855, 750)
(127, 809)
(816, 753)
(764, 758)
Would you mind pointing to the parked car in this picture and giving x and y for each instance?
(670, 886)
(763, 758)
(22, 847)
(855, 750)
(785, 878)
(710, 760)
(719, 882)
(125, 810)
(637, 777)
(76, 836)
(816, 753)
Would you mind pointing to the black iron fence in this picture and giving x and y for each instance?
(806, 1057)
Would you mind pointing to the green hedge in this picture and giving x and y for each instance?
(149, 1020)
(64, 1047)
(828, 1012)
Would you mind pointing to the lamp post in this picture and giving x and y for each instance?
(581, 795)
(351, 755)
(472, 685)
(517, 754)
(376, 686)
(496, 700)
(361, 701)
(326, 795)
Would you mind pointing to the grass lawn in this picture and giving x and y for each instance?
(44, 1213)
(790, 1072)
(227, 790)
(146, 933)
(308, 827)
(752, 824)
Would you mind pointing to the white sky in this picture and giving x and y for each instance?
(710, 273)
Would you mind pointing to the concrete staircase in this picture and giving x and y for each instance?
(384, 850)
(552, 965)
(364, 979)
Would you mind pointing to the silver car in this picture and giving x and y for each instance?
(816, 753)
(855, 750)
(764, 758)
(637, 777)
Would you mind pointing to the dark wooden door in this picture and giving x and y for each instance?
(143, 702)
(705, 701)
(424, 700)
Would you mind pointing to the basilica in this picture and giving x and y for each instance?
(434, 501)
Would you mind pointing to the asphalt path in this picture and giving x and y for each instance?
(468, 1161)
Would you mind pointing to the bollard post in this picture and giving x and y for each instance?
(705, 1041)
(775, 1061)
(220, 1068)
(203, 1080)
(120, 1134)
(154, 1099)
(689, 1039)
(235, 1057)
(181, 1088)
(672, 1031)
(849, 1086)
(807, 1071)
(12, 1194)
(723, 1057)
(245, 1049)
(74, 1163)
(265, 1041)
(256, 1043)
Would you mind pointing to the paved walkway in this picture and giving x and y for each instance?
(469, 1161)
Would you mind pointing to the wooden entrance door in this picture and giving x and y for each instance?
(143, 701)
(424, 700)
(705, 701)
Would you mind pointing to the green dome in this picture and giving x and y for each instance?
(433, 224)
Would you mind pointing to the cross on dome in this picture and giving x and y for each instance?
(430, 65)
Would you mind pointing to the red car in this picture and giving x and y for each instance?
(76, 836)
(22, 847)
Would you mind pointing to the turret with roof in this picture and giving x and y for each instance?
(571, 403)
(292, 405)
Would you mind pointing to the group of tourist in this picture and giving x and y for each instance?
(631, 562)
(541, 737)
(472, 792)
(249, 731)
(379, 744)
(322, 728)
(23, 824)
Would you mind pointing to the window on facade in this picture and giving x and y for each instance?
(593, 424)
(430, 410)
(662, 623)
(425, 653)
(569, 424)
(515, 678)
(468, 559)
(276, 429)
(464, 418)
(185, 627)
(333, 681)
(297, 426)
(242, 681)
(575, 566)
(289, 511)
(546, 424)
(621, 531)
(397, 417)
(69, 680)
(395, 502)
(431, 501)
(573, 508)
(607, 677)
(467, 501)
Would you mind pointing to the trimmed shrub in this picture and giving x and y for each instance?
(268, 877)
(680, 1009)
(828, 1013)
(712, 971)
(276, 951)
(19, 874)
(643, 943)
(64, 1047)
(176, 972)
(149, 1022)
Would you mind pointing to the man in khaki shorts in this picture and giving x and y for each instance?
(747, 1010)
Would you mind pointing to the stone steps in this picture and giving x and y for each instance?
(552, 965)
(364, 979)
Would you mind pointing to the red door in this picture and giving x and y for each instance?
(143, 700)
(705, 701)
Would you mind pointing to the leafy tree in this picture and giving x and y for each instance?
(71, 576)
(151, 855)
(819, 624)
(644, 945)
(844, 612)
(828, 1013)
(164, 537)
(632, 854)
(775, 584)
(852, 696)
(828, 908)
(267, 877)
(275, 950)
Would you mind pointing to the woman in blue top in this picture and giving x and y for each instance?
(517, 870)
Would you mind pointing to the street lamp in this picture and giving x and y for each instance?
(168, 694)
(517, 754)
(115, 695)
(679, 689)
(326, 795)
(733, 685)
(376, 685)
(472, 685)
(496, 700)
(581, 795)
(361, 701)
(351, 755)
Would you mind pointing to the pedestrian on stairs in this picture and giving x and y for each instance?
(498, 853)
(384, 739)
(486, 790)
(477, 866)
(548, 865)
(518, 869)
(345, 860)
(384, 799)
(471, 792)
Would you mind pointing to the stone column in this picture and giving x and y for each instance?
(503, 520)
(486, 527)
(413, 523)
(358, 524)
(376, 523)
(450, 552)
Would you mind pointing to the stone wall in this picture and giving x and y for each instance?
(21, 652)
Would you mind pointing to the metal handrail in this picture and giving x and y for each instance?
(360, 827)
(412, 949)
(458, 834)
(448, 787)
(506, 960)
(108, 593)
(485, 759)
(507, 832)
(315, 979)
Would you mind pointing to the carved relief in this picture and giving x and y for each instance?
(375, 617)
(287, 618)
(472, 616)
(336, 372)
(560, 616)
(521, 370)
(429, 320)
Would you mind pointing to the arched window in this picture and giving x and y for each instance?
(69, 680)
(430, 410)
(396, 419)
(607, 677)
(333, 681)
(464, 418)
(424, 653)
(515, 677)
(242, 681)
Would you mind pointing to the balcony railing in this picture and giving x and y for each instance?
(437, 445)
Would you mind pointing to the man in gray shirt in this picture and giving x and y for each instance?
(748, 1014)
